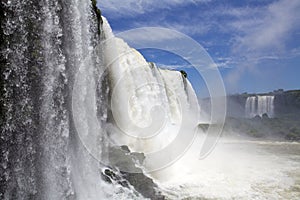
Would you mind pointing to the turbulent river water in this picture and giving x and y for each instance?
(241, 169)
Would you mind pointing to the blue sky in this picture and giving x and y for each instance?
(255, 43)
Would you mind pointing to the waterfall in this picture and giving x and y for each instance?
(259, 105)
(150, 106)
(250, 107)
(43, 44)
(56, 117)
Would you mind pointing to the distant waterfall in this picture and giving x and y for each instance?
(265, 105)
(259, 105)
(250, 107)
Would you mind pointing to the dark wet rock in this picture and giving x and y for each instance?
(203, 127)
(257, 118)
(143, 185)
(265, 116)
(124, 170)
(121, 158)
(111, 176)
(125, 148)
(140, 157)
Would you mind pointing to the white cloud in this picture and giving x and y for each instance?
(149, 34)
(249, 34)
(190, 29)
(172, 67)
(260, 36)
(269, 31)
(225, 62)
(255, 31)
(135, 7)
(295, 52)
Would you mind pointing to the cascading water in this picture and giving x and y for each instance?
(250, 107)
(259, 105)
(266, 105)
(43, 44)
(66, 98)
(147, 102)
(54, 99)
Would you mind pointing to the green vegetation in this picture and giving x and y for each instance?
(184, 74)
(151, 64)
(294, 134)
(265, 127)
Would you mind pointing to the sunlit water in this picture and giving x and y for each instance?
(237, 169)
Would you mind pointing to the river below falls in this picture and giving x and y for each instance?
(237, 169)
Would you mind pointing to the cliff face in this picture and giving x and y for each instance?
(284, 123)
(236, 105)
(286, 104)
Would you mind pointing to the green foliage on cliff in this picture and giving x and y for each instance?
(294, 134)
(265, 127)
(184, 74)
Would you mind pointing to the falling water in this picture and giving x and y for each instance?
(265, 105)
(54, 100)
(43, 44)
(250, 107)
(55, 89)
(259, 105)
(150, 106)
